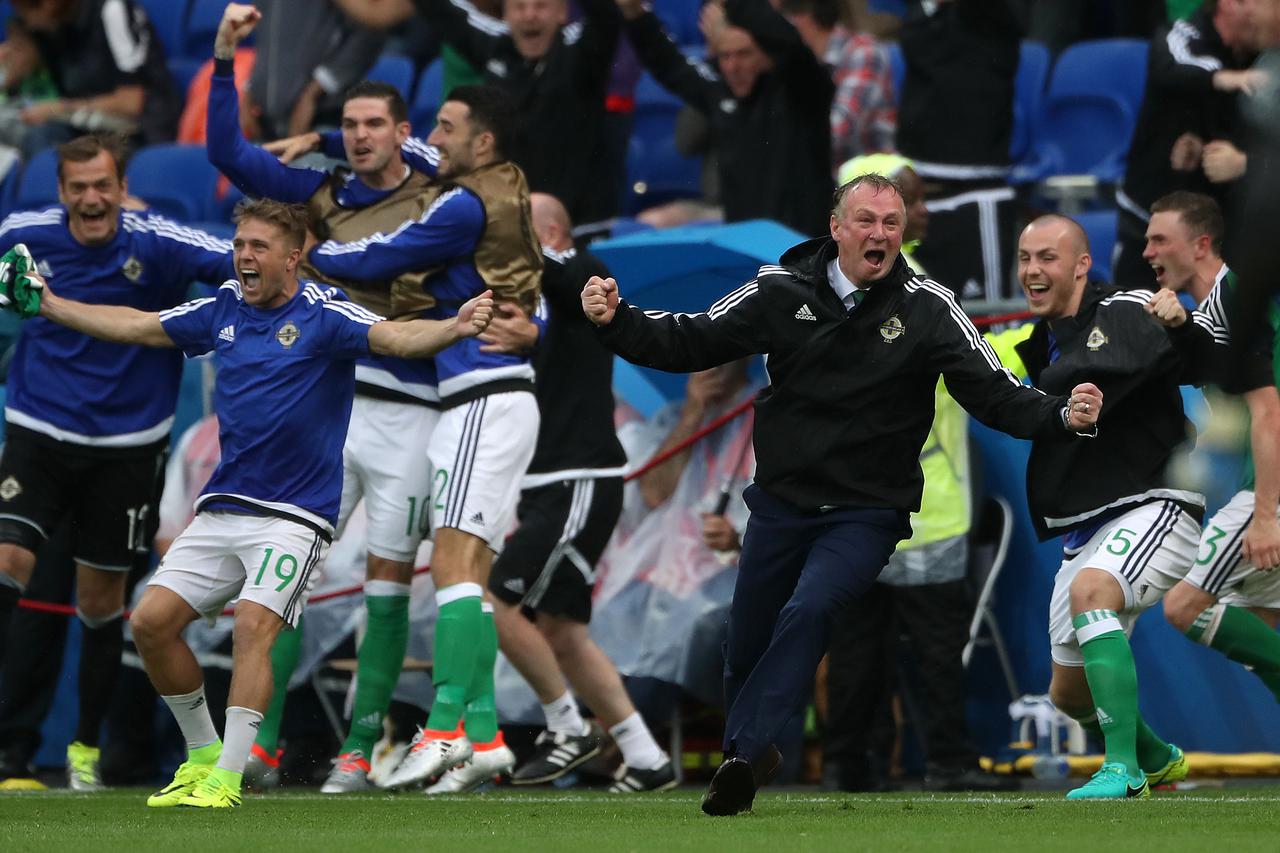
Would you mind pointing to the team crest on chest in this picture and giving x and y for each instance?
(892, 329)
(288, 334)
(132, 269)
(10, 488)
(1095, 340)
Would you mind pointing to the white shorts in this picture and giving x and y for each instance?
(385, 462)
(479, 453)
(1147, 550)
(1221, 569)
(224, 555)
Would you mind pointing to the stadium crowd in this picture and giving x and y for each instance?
(361, 231)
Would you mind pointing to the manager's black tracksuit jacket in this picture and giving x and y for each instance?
(1112, 342)
(850, 399)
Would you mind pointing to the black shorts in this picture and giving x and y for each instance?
(108, 494)
(548, 564)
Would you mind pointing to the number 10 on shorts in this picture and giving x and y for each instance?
(285, 569)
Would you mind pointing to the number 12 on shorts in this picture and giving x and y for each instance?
(286, 569)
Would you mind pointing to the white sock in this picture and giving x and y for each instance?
(563, 716)
(639, 750)
(192, 713)
(242, 729)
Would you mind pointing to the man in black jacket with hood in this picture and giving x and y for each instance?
(855, 346)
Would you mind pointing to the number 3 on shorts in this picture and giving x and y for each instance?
(286, 569)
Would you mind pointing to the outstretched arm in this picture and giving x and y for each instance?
(422, 338)
(733, 327)
(116, 323)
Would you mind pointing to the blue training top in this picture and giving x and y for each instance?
(79, 389)
(286, 379)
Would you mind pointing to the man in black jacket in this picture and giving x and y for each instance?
(855, 344)
(955, 119)
(1129, 534)
(769, 107)
(1189, 122)
(558, 76)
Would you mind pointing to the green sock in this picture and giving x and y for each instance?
(481, 719)
(1153, 751)
(1113, 680)
(207, 754)
(380, 660)
(284, 659)
(1242, 637)
(458, 638)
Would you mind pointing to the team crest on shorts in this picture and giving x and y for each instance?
(132, 269)
(892, 329)
(10, 488)
(288, 334)
(1095, 340)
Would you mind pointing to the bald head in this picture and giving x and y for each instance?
(1053, 265)
(1056, 223)
(551, 221)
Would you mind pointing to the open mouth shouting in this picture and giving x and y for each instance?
(875, 258)
(250, 279)
(1160, 271)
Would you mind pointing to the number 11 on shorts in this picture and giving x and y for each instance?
(286, 569)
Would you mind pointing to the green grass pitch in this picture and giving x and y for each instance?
(1223, 820)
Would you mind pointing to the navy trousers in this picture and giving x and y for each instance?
(797, 571)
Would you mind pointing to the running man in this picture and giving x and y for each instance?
(397, 403)
(1230, 598)
(287, 350)
(1128, 533)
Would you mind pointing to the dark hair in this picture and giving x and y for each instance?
(84, 148)
(385, 91)
(825, 12)
(874, 179)
(1199, 212)
(289, 218)
(491, 109)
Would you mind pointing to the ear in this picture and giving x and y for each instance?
(486, 142)
(835, 227)
(1083, 264)
(1203, 245)
(403, 131)
(294, 258)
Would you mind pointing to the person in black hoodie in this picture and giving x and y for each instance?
(769, 107)
(856, 343)
(955, 119)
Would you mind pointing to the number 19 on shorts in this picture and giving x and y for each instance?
(276, 570)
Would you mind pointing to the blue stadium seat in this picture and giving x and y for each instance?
(176, 180)
(656, 171)
(201, 26)
(898, 64)
(396, 70)
(897, 8)
(183, 69)
(6, 11)
(680, 20)
(1028, 92)
(169, 17)
(427, 96)
(1089, 111)
(1100, 227)
(38, 186)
